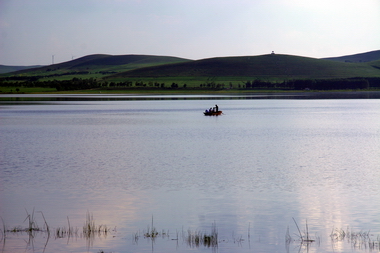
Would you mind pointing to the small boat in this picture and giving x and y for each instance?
(212, 113)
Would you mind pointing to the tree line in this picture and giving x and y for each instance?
(296, 84)
(317, 84)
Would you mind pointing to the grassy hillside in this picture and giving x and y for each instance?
(264, 66)
(269, 67)
(363, 57)
(7, 69)
(99, 64)
(273, 71)
(375, 64)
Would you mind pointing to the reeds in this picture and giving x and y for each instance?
(361, 239)
(90, 229)
(198, 238)
(31, 221)
(4, 230)
(192, 238)
(151, 231)
(46, 224)
(63, 232)
(305, 237)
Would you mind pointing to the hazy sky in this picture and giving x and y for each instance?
(31, 31)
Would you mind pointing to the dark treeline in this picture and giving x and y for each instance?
(76, 84)
(296, 84)
(62, 85)
(330, 84)
(317, 84)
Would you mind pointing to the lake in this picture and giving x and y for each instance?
(273, 173)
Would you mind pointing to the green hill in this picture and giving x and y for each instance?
(101, 63)
(363, 57)
(6, 68)
(264, 71)
(271, 66)
(375, 64)
(264, 66)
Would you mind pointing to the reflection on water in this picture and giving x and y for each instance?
(245, 174)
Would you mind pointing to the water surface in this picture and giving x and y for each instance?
(250, 171)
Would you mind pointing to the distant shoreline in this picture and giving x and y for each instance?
(233, 94)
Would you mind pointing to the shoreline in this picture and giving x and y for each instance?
(236, 94)
(181, 91)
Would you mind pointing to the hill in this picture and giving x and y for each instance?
(7, 69)
(363, 57)
(267, 66)
(375, 64)
(161, 71)
(102, 63)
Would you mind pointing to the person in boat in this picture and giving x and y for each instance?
(216, 108)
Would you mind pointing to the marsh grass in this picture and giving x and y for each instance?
(198, 238)
(90, 229)
(193, 238)
(304, 241)
(63, 232)
(362, 240)
(31, 222)
(3, 231)
(45, 223)
(304, 237)
(151, 231)
(359, 240)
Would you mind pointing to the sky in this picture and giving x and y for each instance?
(40, 32)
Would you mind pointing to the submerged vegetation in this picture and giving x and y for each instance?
(193, 238)
(358, 240)
(302, 239)
(90, 230)
(198, 238)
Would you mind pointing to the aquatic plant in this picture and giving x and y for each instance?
(151, 232)
(90, 228)
(31, 221)
(359, 240)
(4, 229)
(288, 238)
(62, 232)
(46, 224)
(362, 240)
(198, 238)
(305, 238)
